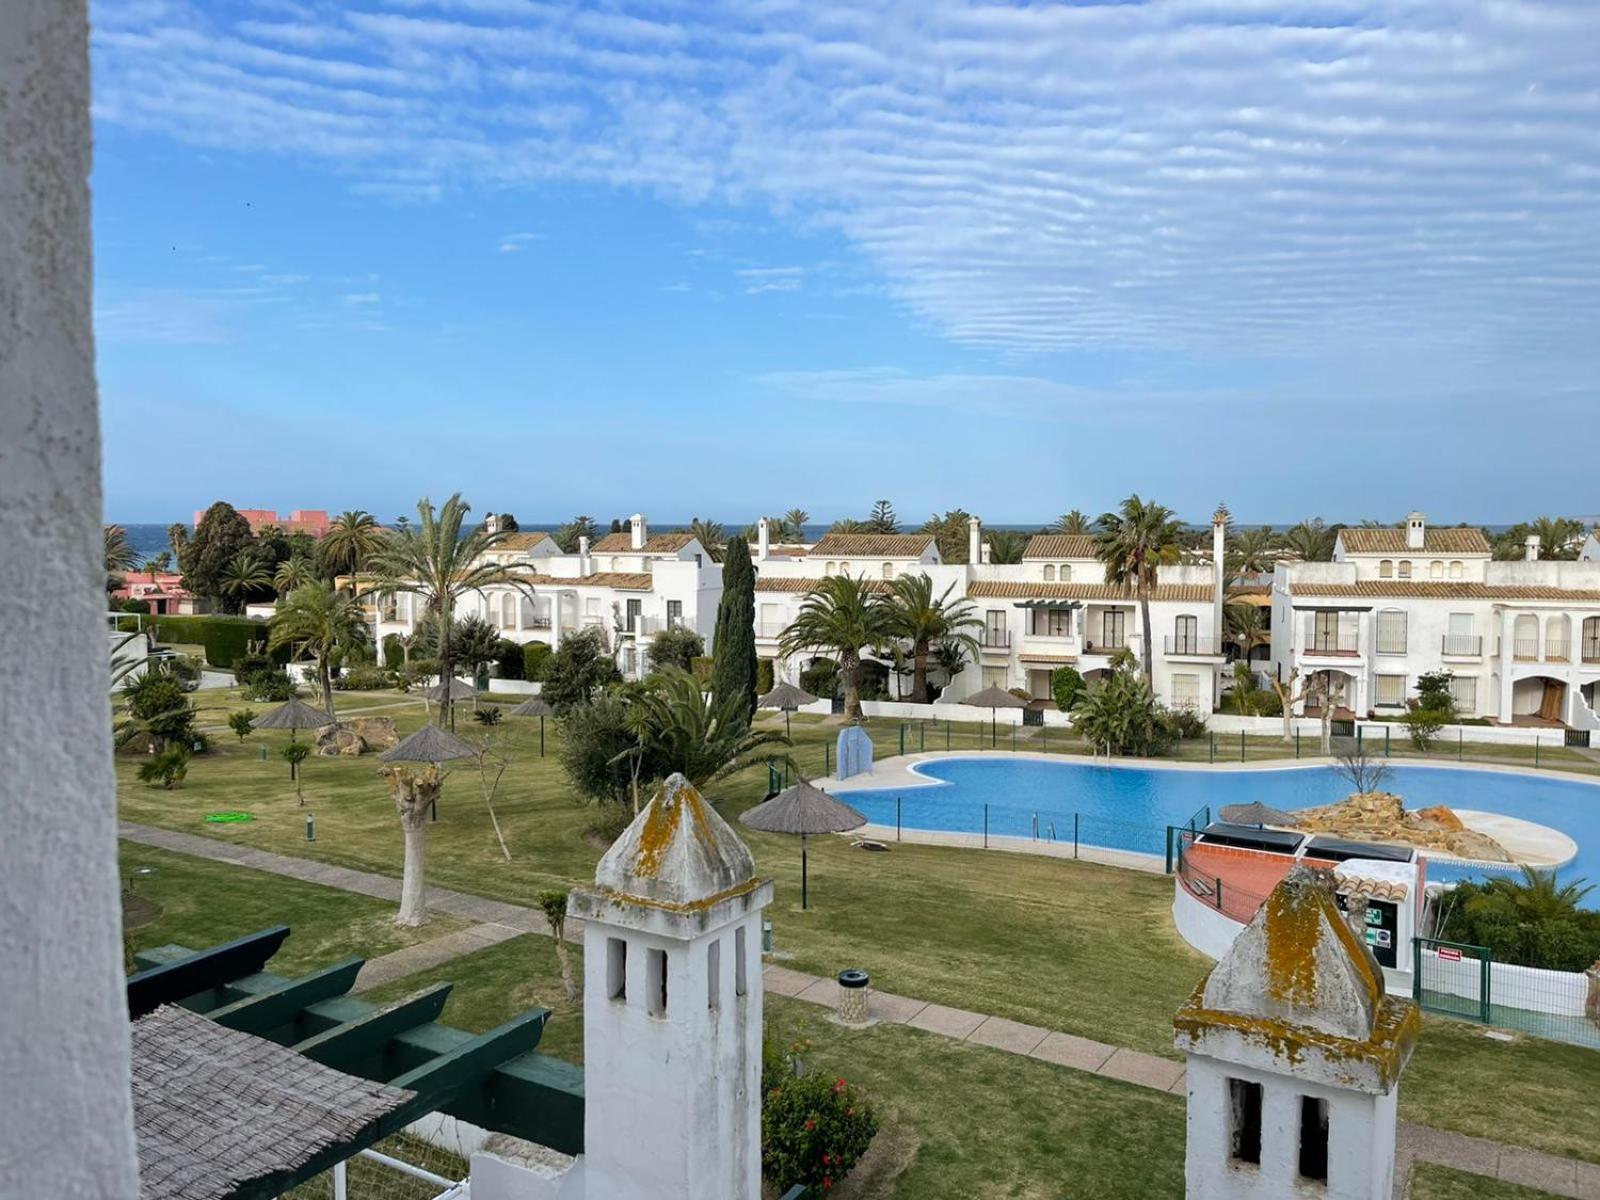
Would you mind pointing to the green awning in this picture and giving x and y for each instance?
(1051, 605)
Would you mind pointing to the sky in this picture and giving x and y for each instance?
(725, 257)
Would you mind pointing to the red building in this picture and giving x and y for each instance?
(302, 520)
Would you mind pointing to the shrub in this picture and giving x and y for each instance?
(225, 639)
(508, 662)
(1067, 686)
(364, 678)
(676, 647)
(243, 722)
(700, 667)
(168, 767)
(765, 677)
(272, 687)
(596, 738)
(578, 670)
(1424, 724)
(1185, 723)
(814, 1129)
(394, 653)
(821, 678)
(1532, 921)
(158, 708)
(1122, 716)
(535, 656)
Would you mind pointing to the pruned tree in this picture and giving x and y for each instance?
(414, 793)
(1365, 771)
(554, 906)
(495, 746)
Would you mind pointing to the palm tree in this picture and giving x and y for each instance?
(1252, 552)
(325, 622)
(1006, 545)
(566, 536)
(1559, 537)
(434, 561)
(119, 555)
(1133, 543)
(1075, 521)
(704, 736)
(293, 572)
(848, 525)
(841, 616)
(915, 615)
(792, 525)
(352, 539)
(1247, 628)
(710, 536)
(246, 575)
(1311, 541)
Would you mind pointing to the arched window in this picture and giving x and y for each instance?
(1436, 569)
(1065, 573)
(616, 564)
(508, 611)
(1049, 572)
(1591, 639)
(832, 569)
(1525, 637)
(1457, 570)
(888, 570)
(1386, 569)
(1405, 568)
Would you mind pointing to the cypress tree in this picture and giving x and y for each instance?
(733, 648)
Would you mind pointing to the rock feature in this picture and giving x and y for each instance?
(1382, 817)
(355, 736)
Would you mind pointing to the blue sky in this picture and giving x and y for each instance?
(725, 257)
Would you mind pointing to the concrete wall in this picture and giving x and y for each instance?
(66, 1119)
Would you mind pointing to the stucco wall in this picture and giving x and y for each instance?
(66, 1120)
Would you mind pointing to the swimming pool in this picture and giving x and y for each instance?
(1129, 808)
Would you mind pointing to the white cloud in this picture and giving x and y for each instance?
(515, 243)
(1420, 179)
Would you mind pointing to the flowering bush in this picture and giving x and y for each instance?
(813, 1130)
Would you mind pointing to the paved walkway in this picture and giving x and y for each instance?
(496, 921)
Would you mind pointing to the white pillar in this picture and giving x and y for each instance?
(763, 539)
(585, 564)
(64, 1039)
(974, 541)
(1508, 658)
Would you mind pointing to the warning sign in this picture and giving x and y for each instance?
(1449, 954)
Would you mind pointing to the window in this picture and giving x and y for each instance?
(1186, 635)
(888, 570)
(1390, 691)
(994, 627)
(1064, 573)
(1052, 622)
(674, 613)
(714, 975)
(635, 611)
(508, 611)
(1386, 569)
(1049, 572)
(1457, 569)
(831, 569)
(655, 979)
(738, 961)
(616, 968)
(1464, 691)
(1392, 631)
(1186, 691)
(1113, 629)
(616, 564)
(1313, 1138)
(1244, 1121)
(1405, 568)
(1436, 569)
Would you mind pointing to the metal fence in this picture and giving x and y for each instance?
(402, 1167)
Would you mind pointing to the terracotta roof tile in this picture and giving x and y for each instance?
(802, 584)
(659, 543)
(519, 541)
(627, 581)
(1026, 590)
(1060, 545)
(872, 545)
(1421, 590)
(1434, 541)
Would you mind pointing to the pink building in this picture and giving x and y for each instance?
(302, 520)
(162, 591)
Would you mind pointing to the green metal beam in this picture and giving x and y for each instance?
(148, 990)
(278, 1006)
(531, 1092)
(471, 1063)
(364, 1037)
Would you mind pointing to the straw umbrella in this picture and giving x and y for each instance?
(805, 810)
(295, 716)
(430, 744)
(1254, 813)
(535, 706)
(994, 698)
(459, 690)
(787, 697)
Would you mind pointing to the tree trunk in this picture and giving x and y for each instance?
(567, 984)
(414, 793)
(850, 662)
(325, 677)
(919, 674)
(447, 672)
(1144, 618)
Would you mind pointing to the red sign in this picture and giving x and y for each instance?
(1449, 954)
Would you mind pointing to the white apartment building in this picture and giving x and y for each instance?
(1520, 639)
(628, 585)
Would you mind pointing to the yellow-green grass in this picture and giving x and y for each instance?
(1430, 1182)
(203, 903)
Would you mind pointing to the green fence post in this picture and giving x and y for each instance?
(902, 737)
(1461, 744)
(947, 733)
(1169, 849)
(827, 757)
(1358, 735)
(1386, 741)
(1219, 893)
(1297, 743)
(897, 818)
(1241, 745)
(1074, 835)
(1013, 738)
(1485, 1006)
(985, 826)
(1213, 747)
(1416, 970)
(922, 735)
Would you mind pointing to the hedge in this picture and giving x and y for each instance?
(764, 675)
(534, 655)
(223, 638)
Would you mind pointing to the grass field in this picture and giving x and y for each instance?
(1072, 946)
(1429, 1182)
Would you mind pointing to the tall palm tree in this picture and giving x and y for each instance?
(710, 536)
(293, 572)
(792, 525)
(325, 622)
(1247, 628)
(916, 615)
(1311, 541)
(352, 539)
(1133, 543)
(245, 576)
(434, 561)
(849, 525)
(1559, 537)
(119, 555)
(1251, 552)
(704, 736)
(841, 616)
(1075, 521)
(1006, 545)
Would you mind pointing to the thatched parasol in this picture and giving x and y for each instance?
(787, 697)
(1254, 813)
(805, 810)
(459, 690)
(994, 698)
(430, 744)
(295, 716)
(535, 706)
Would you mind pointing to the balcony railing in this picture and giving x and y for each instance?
(1462, 645)
(995, 639)
(1193, 645)
(1557, 649)
(1525, 649)
(1095, 646)
(1332, 644)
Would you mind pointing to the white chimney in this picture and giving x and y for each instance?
(636, 522)
(583, 556)
(988, 554)
(974, 540)
(763, 539)
(1530, 547)
(1416, 532)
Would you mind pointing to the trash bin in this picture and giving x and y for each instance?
(853, 993)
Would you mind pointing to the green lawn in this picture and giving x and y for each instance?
(1429, 1182)
(203, 903)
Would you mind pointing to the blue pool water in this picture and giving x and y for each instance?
(1129, 808)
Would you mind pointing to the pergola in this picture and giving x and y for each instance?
(248, 1083)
